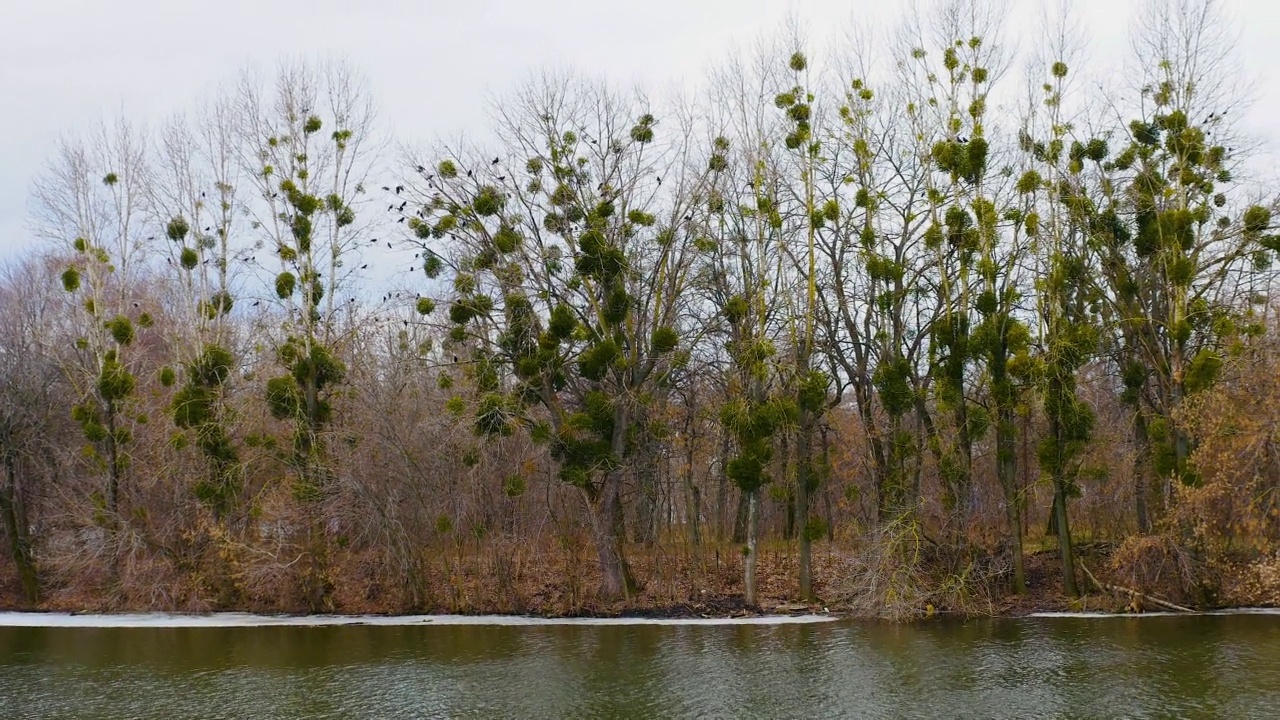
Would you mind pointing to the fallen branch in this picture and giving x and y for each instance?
(1117, 589)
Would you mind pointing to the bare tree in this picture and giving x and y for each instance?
(307, 147)
(91, 206)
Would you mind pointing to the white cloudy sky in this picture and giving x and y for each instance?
(66, 63)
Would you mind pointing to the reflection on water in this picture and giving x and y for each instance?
(1226, 666)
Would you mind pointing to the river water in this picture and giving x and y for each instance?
(1218, 666)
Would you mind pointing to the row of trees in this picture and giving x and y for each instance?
(891, 271)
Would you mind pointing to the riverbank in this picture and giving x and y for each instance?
(682, 583)
(236, 620)
(18, 619)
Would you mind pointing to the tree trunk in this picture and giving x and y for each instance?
(1141, 467)
(826, 487)
(804, 475)
(890, 478)
(694, 494)
(962, 484)
(316, 587)
(1007, 471)
(616, 581)
(753, 530)
(1064, 537)
(789, 517)
(14, 524)
(646, 508)
(740, 519)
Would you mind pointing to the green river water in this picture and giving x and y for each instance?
(1224, 666)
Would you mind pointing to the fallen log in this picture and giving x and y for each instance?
(1118, 589)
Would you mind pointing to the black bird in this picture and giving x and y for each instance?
(494, 161)
(455, 358)
(421, 169)
(961, 138)
(384, 187)
(389, 244)
(400, 220)
(659, 179)
(374, 240)
(391, 207)
(401, 208)
(468, 173)
(206, 229)
(501, 178)
(256, 302)
(399, 188)
(364, 266)
(135, 304)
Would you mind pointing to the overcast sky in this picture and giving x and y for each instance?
(65, 64)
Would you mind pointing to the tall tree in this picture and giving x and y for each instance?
(569, 258)
(1066, 301)
(91, 205)
(308, 146)
(194, 198)
(808, 384)
(1183, 245)
(31, 421)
